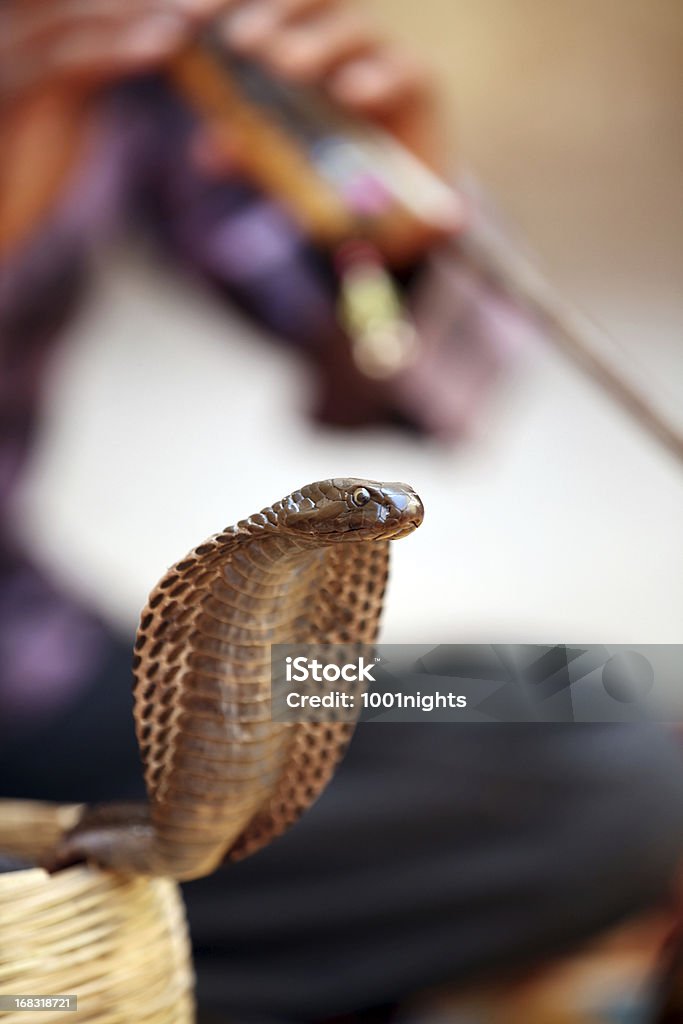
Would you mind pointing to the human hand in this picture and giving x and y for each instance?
(328, 43)
(86, 43)
(332, 44)
(54, 54)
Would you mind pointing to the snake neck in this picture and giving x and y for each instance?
(293, 589)
(265, 589)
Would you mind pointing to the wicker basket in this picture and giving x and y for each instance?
(118, 943)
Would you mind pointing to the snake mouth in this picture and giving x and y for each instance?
(403, 531)
(411, 514)
(351, 536)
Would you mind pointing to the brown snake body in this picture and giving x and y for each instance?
(222, 777)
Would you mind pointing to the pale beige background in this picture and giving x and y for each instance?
(562, 523)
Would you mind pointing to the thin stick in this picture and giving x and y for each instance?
(509, 271)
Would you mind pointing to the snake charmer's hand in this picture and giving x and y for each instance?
(328, 43)
(53, 55)
(334, 45)
(87, 43)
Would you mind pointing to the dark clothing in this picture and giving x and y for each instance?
(440, 854)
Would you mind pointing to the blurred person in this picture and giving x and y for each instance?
(430, 861)
(81, 87)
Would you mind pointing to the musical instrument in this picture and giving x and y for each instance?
(358, 193)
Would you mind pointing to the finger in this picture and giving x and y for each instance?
(381, 83)
(28, 19)
(96, 40)
(400, 95)
(24, 23)
(309, 49)
(250, 22)
(99, 50)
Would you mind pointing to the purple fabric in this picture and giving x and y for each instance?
(49, 646)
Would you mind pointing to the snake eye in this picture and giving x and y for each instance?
(361, 496)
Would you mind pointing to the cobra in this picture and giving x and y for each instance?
(223, 779)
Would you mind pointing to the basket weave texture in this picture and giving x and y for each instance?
(119, 943)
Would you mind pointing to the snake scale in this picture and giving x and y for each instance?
(222, 777)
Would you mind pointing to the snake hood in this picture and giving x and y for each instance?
(347, 509)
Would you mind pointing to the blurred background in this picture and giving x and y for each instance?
(166, 417)
(559, 520)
